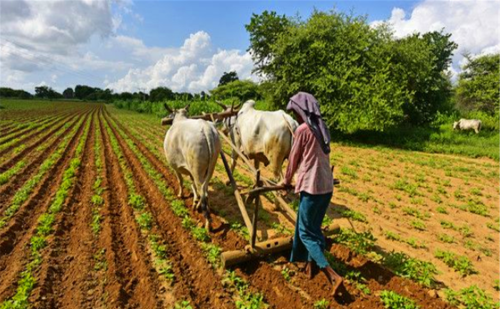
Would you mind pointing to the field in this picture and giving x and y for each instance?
(89, 219)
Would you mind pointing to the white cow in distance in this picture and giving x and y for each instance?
(468, 124)
(263, 136)
(191, 147)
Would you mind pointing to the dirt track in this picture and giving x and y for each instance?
(115, 268)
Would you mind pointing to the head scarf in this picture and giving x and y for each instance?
(308, 108)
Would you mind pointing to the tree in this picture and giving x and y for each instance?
(419, 61)
(161, 94)
(241, 89)
(228, 77)
(265, 29)
(68, 93)
(478, 84)
(45, 92)
(6, 92)
(363, 78)
(82, 92)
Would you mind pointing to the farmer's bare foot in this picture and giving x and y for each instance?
(309, 270)
(334, 278)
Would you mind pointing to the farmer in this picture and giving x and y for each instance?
(309, 157)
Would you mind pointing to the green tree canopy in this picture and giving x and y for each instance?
(363, 77)
(68, 93)
(6, 92)
(46, 92)
(161, 94)
(478, 87)
(228, 77)
(241, 89)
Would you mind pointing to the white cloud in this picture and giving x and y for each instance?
(54, 38)
(474, 25)
(54, 26)
(193, 67)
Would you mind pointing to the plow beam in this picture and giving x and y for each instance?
(260, 249)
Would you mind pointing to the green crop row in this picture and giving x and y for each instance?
(44, 228)
(5, 176)
(28, 132)
(459, 263)
(24, 192)
(96, 199)
(30, 126)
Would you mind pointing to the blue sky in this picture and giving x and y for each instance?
(128, 45)
(168, 23)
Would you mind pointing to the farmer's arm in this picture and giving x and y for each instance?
(295, 157)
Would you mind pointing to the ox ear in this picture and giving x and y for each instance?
(187, 107)
(167, 108)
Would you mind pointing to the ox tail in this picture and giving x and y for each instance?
(479, 126)
(210, 141)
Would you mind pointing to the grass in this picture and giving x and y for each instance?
(437, 138)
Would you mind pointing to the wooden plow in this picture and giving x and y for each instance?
(252, 199)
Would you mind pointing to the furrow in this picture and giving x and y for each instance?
(132, 283)
(196, 276)
(61, 278)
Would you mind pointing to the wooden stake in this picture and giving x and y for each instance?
(237, 195)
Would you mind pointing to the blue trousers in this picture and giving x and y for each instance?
(309, 242)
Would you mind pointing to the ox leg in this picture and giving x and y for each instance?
(195, 194)
(204, 205)
(234, 157)
(179, 179)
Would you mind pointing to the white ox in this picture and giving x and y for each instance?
(467, 124)
(263, 136)
(191, 148)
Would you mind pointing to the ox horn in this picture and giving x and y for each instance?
(238, 106)
(167, 108)
(224, 107)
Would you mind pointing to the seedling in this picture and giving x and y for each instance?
(392, 300)
(459, 263)
(321, 304)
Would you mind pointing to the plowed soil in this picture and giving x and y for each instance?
(115, 268)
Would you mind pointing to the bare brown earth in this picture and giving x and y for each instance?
(115, 269)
